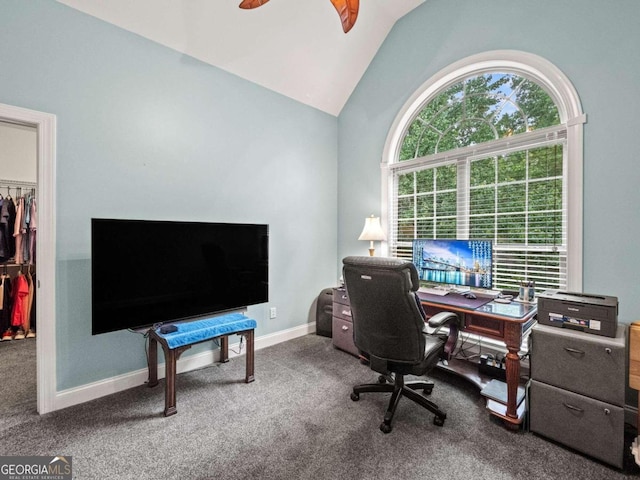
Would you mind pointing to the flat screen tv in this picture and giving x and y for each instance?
(465, 263)
(147, 272)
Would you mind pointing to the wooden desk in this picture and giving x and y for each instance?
(504, 322)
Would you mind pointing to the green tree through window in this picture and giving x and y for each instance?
(484, 159)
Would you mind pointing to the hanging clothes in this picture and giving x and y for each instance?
(32, 313)
(17, 230)
(33, 227)
(24, 229)
(20, 294)
(7, 223)
(26, 323)
(4, 245)
(7, 307)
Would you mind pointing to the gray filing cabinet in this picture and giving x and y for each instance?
(577, 390)
(342, 324)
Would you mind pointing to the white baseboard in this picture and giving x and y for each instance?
(91, 391)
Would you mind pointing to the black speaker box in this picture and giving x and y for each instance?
(324, 310)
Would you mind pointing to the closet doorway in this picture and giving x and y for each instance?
(38, 127)
(18, 232)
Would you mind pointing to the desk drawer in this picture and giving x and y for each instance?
(478, 324)
(484, 326)
(342, 334)
(340, 296)
(585, 424)
(342, 311)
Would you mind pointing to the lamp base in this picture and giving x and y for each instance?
(371, 251)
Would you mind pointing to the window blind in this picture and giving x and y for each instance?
(510, 191)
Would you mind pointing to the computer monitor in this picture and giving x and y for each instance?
(458, 263)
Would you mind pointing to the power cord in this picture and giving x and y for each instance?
(240, 346)
(145, 334)
(461, 352)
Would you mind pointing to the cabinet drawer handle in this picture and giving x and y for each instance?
(607, 411)
(345, 328)
(571, 407)
(346, 312)
(573, 350)
(344, 297)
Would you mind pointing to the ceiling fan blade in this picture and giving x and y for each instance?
(348, 11)
(247, 4)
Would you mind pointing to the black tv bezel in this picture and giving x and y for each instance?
(98, 329)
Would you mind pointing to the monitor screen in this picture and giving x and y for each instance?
(145, 272)
(465, 263)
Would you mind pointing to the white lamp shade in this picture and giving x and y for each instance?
(372, 230)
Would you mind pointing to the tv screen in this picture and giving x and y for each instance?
(465, 263)
(146, 272)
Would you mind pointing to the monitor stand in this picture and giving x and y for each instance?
(459, 288)
(439, 290)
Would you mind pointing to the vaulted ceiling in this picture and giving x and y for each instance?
(294, 47)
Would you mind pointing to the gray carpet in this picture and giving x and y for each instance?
(296, 421)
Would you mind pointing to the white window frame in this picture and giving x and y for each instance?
(562, 92)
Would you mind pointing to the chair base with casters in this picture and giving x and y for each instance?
(392, 379)
(398, 389)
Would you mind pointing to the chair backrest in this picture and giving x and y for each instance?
(387, 319)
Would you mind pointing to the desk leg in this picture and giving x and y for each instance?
(513, 337)
(249, 375)
(152, 362)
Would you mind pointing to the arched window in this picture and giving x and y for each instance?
(491, 148)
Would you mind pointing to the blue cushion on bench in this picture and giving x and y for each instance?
(196, 331)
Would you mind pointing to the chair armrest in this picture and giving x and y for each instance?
(450, 319)
(443, 318)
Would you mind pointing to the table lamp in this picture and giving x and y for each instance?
(373, 232)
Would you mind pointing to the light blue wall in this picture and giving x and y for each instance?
(145, 132)
(594, 43)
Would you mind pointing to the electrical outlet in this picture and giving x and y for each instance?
(272, 312)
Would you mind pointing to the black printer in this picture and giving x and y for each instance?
(579, 311)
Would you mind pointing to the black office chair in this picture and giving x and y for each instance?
(389, 330)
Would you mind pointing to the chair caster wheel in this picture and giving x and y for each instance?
(427, 390)
(355, 396)
(439, 421)
(382, 379)
(384, 428)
